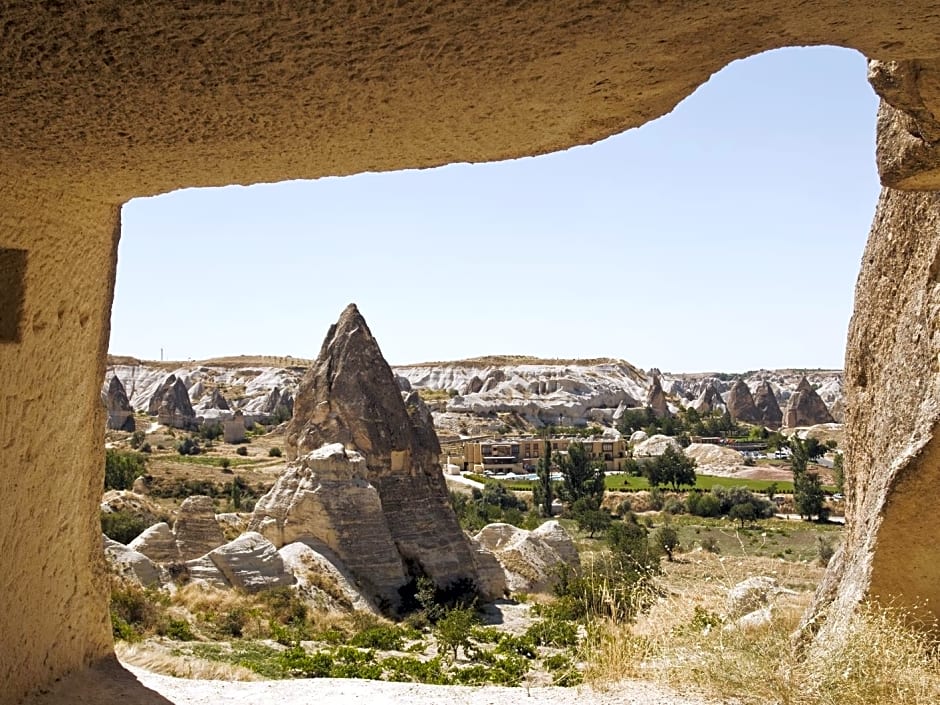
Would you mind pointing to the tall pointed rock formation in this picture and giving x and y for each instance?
(710, 400)
(656, 398)
(806, 407)
(120, 412)
(350, 396)
(741, 404)
(766, 402)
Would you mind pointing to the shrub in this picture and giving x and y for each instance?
(188, 446)
(274, 452)
(178, 629)
(667, 540)
(553, 632)
(122, 527)
(121, 468)
(137, 439)
(710, 544)
(824, 550)
(241, 450)
(452, 631)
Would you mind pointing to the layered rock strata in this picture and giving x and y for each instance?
(171, 405)
(656, 398)
(350, 396)
(325, 498)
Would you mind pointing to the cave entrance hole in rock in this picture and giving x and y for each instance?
(243, 272)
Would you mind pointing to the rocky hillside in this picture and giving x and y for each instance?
(470, 394)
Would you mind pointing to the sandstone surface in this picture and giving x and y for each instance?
(709, 401)
(766, 402)
(139, 99)
(250, 563)
(529, 558)
(713, 459)
(131, 564)
(134, 504)
(655, 445)
(741, 404)
(158, 543)
(196, 530)
(120, 411)
(323, 580)
(806, 408)
(656, 398)
(350, 396)
(324, 498)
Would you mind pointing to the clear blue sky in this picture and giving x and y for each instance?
(726, 235)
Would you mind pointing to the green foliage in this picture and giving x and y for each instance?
(210, 431)
(137, 439)
(495, 502)
(188, 446)
(121, 468)
(241, 450)
(743, 513)
(544, 490)
(122, 527)
(177, 629)
(565, 673)
(135, 611)
(553, 631)
(452, 631)
(838, 472)
(581, 477)
(703, 504)
(275, 452)
(824, 549)
(666, 539)
(384, 637)
(592, 520)
(673, 468)
(808, 496)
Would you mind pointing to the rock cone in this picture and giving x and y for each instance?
(709, 400)
(120, 412)
(741, 404)
(171, 405)
(766, 402)
(350, 396)
(806, 408)
(656, 398)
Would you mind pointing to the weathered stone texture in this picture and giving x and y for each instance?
(806, 408)
(171, 405)
(741, 404)
(656, 398)
(120, 411)
(350, 396)
(892, 461)
(105, 102)
(325, 498)
(196, 530)
(766, 402)
(709, 400)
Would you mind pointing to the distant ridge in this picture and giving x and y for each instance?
(507, 360)
(228, 362)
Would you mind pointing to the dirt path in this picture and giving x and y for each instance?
(109, 683)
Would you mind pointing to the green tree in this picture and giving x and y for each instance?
(838, 473)
(592, 520)
(667, 539)
(673, 467)
(743, 513)
(544, 492)
(453, 630)
(121, 468)
(630, 547)
(581, 477)
(808, 496)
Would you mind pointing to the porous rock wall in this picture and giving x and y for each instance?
(106, 101)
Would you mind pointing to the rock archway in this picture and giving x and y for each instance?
(105, 101)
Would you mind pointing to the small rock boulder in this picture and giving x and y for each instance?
(131, 564)
(250, 563)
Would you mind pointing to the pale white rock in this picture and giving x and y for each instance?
(128, 563)
(196, 530)
(638, 436)
(157, 543)
(325, 497)
(655, 445)
(708, 456)
(251, 563)
(323, 580)
(530, 559)
(750, 595)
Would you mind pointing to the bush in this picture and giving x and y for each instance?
(188, 446)
(452, 631)
(121, 468)
(824, 550)
(274, 452)
(122, 527)
(667, 540)
(241, 450)
(137, 439)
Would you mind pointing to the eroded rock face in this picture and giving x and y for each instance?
(529, 558)
(766, 402)
(656, 398)
(350, 396)
(806, 408)
(741, 404)
(171, 405)
(120, 412)
(131, 564)
(325, 498)
(709, 400)
(250, 563)
(196, 530)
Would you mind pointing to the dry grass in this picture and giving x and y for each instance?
(682, 643)
(158, 658)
